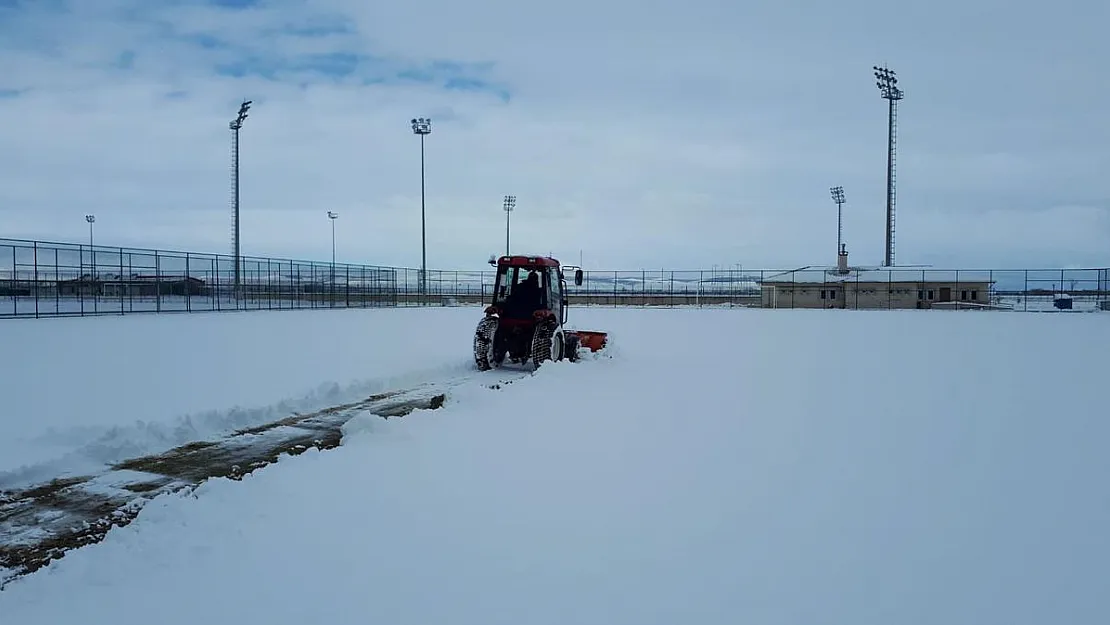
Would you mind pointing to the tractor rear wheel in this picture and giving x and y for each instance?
(545, 344)
(483, 344)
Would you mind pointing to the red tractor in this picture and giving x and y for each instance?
(527, 316)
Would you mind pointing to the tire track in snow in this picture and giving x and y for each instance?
(41, 523)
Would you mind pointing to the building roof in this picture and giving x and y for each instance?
(869, 275)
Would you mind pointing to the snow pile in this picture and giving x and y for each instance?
(723, 467)
(82, 392)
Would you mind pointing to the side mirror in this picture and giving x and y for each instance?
(577, 277)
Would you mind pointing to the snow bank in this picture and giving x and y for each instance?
(81, 392)
(724, 466)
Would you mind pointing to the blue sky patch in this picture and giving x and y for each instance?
(321, 27)
(474, 84)
(9, 93)
(331, 63)
(125, 60)
(234, 4)
(455, 76)
(368, 70)
(206, 41)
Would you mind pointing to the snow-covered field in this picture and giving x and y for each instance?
(718, 466)
(81, 392)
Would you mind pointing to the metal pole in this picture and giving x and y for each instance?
(509, 204)
(423, 228)
(235, 170)
(92, 255)
(422, 126)
(889, 183)
(332, 216)
(838, 197)
(235, 125)
(887, 83)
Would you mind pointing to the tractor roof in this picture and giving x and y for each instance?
(527, 261)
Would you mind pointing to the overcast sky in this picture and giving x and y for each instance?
(658, 133)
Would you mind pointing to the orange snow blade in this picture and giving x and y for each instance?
(594, 341)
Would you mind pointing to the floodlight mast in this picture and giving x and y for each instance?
(887, 83)
(92, 254)
(422, 127)
(509, 204)
(332, 216)
(235, 125)
(838, 197)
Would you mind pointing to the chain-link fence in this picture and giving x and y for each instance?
(1029, 290)
(61, 279)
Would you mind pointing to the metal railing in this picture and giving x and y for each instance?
(48, 279)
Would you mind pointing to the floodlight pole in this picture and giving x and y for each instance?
(887, 83)
(422, 126)
(332, 216)
(509, 204)
(838, 197)
(235, 125)
(92, 255)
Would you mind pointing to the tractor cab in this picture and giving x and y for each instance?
(526, 286)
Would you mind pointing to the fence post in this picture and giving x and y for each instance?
(80, 275)
(57, 279)
(957, 294)
(188, 286)
(121, 281)
(1025, 293)
(94, 280)
(157, 282)
(36, 281)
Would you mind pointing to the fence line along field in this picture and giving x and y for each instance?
(42, 279)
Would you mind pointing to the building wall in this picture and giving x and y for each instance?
(870, 295)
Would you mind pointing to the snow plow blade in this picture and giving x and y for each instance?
(591, 340)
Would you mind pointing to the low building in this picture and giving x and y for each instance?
(873, 288)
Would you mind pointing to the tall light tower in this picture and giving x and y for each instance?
(332, 216)
(838, 197)
(235, 125)
(92, 255)
(887, 83)
(422, 126)
(509, 204)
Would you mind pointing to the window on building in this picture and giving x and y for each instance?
(920, 294)
(963, 295)
(930, 294)
(974, 295)
(822, 293)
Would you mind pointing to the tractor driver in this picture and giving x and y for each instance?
(527, 295)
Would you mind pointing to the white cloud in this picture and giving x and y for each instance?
(658, 134)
